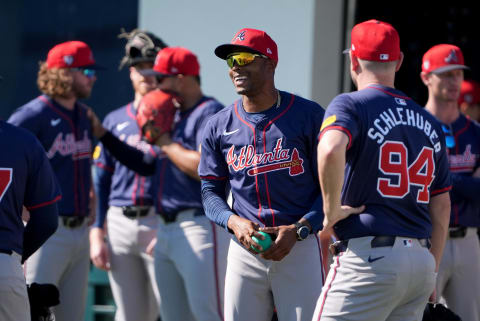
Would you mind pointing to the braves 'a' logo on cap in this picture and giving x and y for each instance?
(68, 59)
(452, 57)
(241, 36)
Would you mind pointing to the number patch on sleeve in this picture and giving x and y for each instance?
(5, 180)
(393, 161)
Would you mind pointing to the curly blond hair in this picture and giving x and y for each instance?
(54, 82)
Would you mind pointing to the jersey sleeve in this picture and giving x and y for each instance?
(26, 118)
(42, 187)
(341, 115)
(209, 111)
(212, 162)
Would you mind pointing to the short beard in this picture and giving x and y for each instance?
(81, 92)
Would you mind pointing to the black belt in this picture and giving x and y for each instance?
(377, 241)
(9, 252)
(134, 212)
(170, 218)
(456, 232)
(72, 221)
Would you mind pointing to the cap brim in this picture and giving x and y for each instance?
(150, 72)
(223, 51)
(94, 66)
(449, 68)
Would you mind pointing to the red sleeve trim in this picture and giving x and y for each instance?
(215, 178)
(442, 190)
(56, 199)
(105, 167)
(340, 128)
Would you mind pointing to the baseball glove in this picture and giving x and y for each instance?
(155, 114)
(438, 312)
(142, 46)
(42, 297)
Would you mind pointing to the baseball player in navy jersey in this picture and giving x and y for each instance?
(264, 147)
(457, 281)
(469, 100)
(59, 121)
(129, 198)
(26, 178)
(389, 155)
(190, 252)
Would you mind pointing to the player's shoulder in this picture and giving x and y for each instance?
(17, 136)
(297, 100)
(35, 106)
(223, 114)
(119, 114)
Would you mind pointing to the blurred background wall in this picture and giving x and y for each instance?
(310, 34)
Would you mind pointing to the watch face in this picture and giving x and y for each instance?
(303, 232)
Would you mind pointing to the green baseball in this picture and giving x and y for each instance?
(265, 243)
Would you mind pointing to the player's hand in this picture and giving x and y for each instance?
(433, 297)
(99, 253)
(97, 128)
(151, 246)
(338, 214)
(476, 173)
(244, 230)
(286, 237)
(92, 205)
(25, 214)
(163, 140)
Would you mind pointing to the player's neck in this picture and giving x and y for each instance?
(445, 111)
(261, 101)
(364, 80)
(190, 99)
(68, 103)
(137, 99)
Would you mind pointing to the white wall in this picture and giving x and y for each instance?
(201, 25)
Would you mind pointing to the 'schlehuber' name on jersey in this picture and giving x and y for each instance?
(393, 117)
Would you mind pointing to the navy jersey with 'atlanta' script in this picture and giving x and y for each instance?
(464, 159)
(396, 160)
(125, 187)
(67, 139)
(26, 179)
(269, 158)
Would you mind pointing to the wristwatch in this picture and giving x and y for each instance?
(302, 231)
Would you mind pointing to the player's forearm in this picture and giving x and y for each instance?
(315, 215)
(185, 159)
(331, 166)
(214, 202)
(131, 157)
(101, 183)
(466, 187)
(42, 224)
(439, 208)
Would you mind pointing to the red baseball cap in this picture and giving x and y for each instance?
(172, 61)
(469, 92)
(71, 54)
(442, 58)
(375, 40)
(247, 39)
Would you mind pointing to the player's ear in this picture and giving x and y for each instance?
(399, 62)
(354, 64)
(424, 77)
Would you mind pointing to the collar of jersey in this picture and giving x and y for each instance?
(267, 114)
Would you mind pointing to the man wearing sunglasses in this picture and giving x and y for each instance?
(59, 121)
(263, 147)
(127, 198)
(442, 72)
